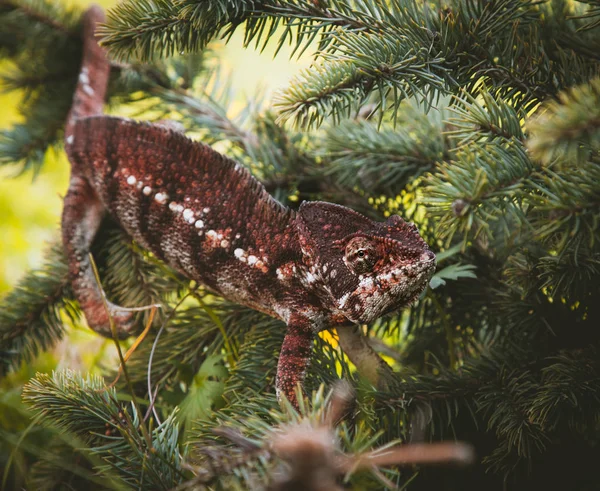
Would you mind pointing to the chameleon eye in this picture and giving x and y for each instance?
(360, 255)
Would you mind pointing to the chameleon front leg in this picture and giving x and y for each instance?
(83, 210)
(294, 358)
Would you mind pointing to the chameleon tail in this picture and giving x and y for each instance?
(294, 358)
(83, 211)
(90, 92)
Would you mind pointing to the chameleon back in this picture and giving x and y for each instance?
(201, 212)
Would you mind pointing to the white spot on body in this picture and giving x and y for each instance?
(342, 301)
(131, 180)
(140, 185)
(83, 77)
(310, 278)
(238, 252)
(87, 89)
(252, 259)
(199, 224)
(206, 210)
(365, 281)
(161, 198)
(224, 244)
(188, 214)
(147, 190)
(173, 206)
(70, 140)
(386, 276)
(212, 241)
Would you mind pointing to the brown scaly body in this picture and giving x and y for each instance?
(207, 217)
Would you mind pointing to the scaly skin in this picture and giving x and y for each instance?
(207, 217)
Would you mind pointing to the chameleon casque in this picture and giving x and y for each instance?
(205, 215)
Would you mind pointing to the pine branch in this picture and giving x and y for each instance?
(334, 90)
(157, 19)
(39, 37)
(476, 195)
(484, 119)
(361, 27)
(592, 12)
(574, 274)
(194, 333)
(504, 405)
(82, 406)
(566, 206)
(390, 68)
(89, 409)
(256, 368)
(569, 130)
(569, 391)
(383, 160)
(31, 316)
(328, 365)
(500, 390)
(49, 19)
(146, 30)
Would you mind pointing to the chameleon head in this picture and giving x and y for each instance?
(368, 268)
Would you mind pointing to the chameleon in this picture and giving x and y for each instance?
(319, 267)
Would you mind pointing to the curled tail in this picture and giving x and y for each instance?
(83, 210)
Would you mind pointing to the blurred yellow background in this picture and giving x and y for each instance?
(30, 206)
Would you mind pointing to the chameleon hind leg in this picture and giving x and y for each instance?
(82, 215)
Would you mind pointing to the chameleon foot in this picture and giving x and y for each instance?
(123, 319)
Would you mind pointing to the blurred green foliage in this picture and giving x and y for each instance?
(29, 211)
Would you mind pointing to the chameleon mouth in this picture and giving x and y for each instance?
(413, 280)
(418, 271)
